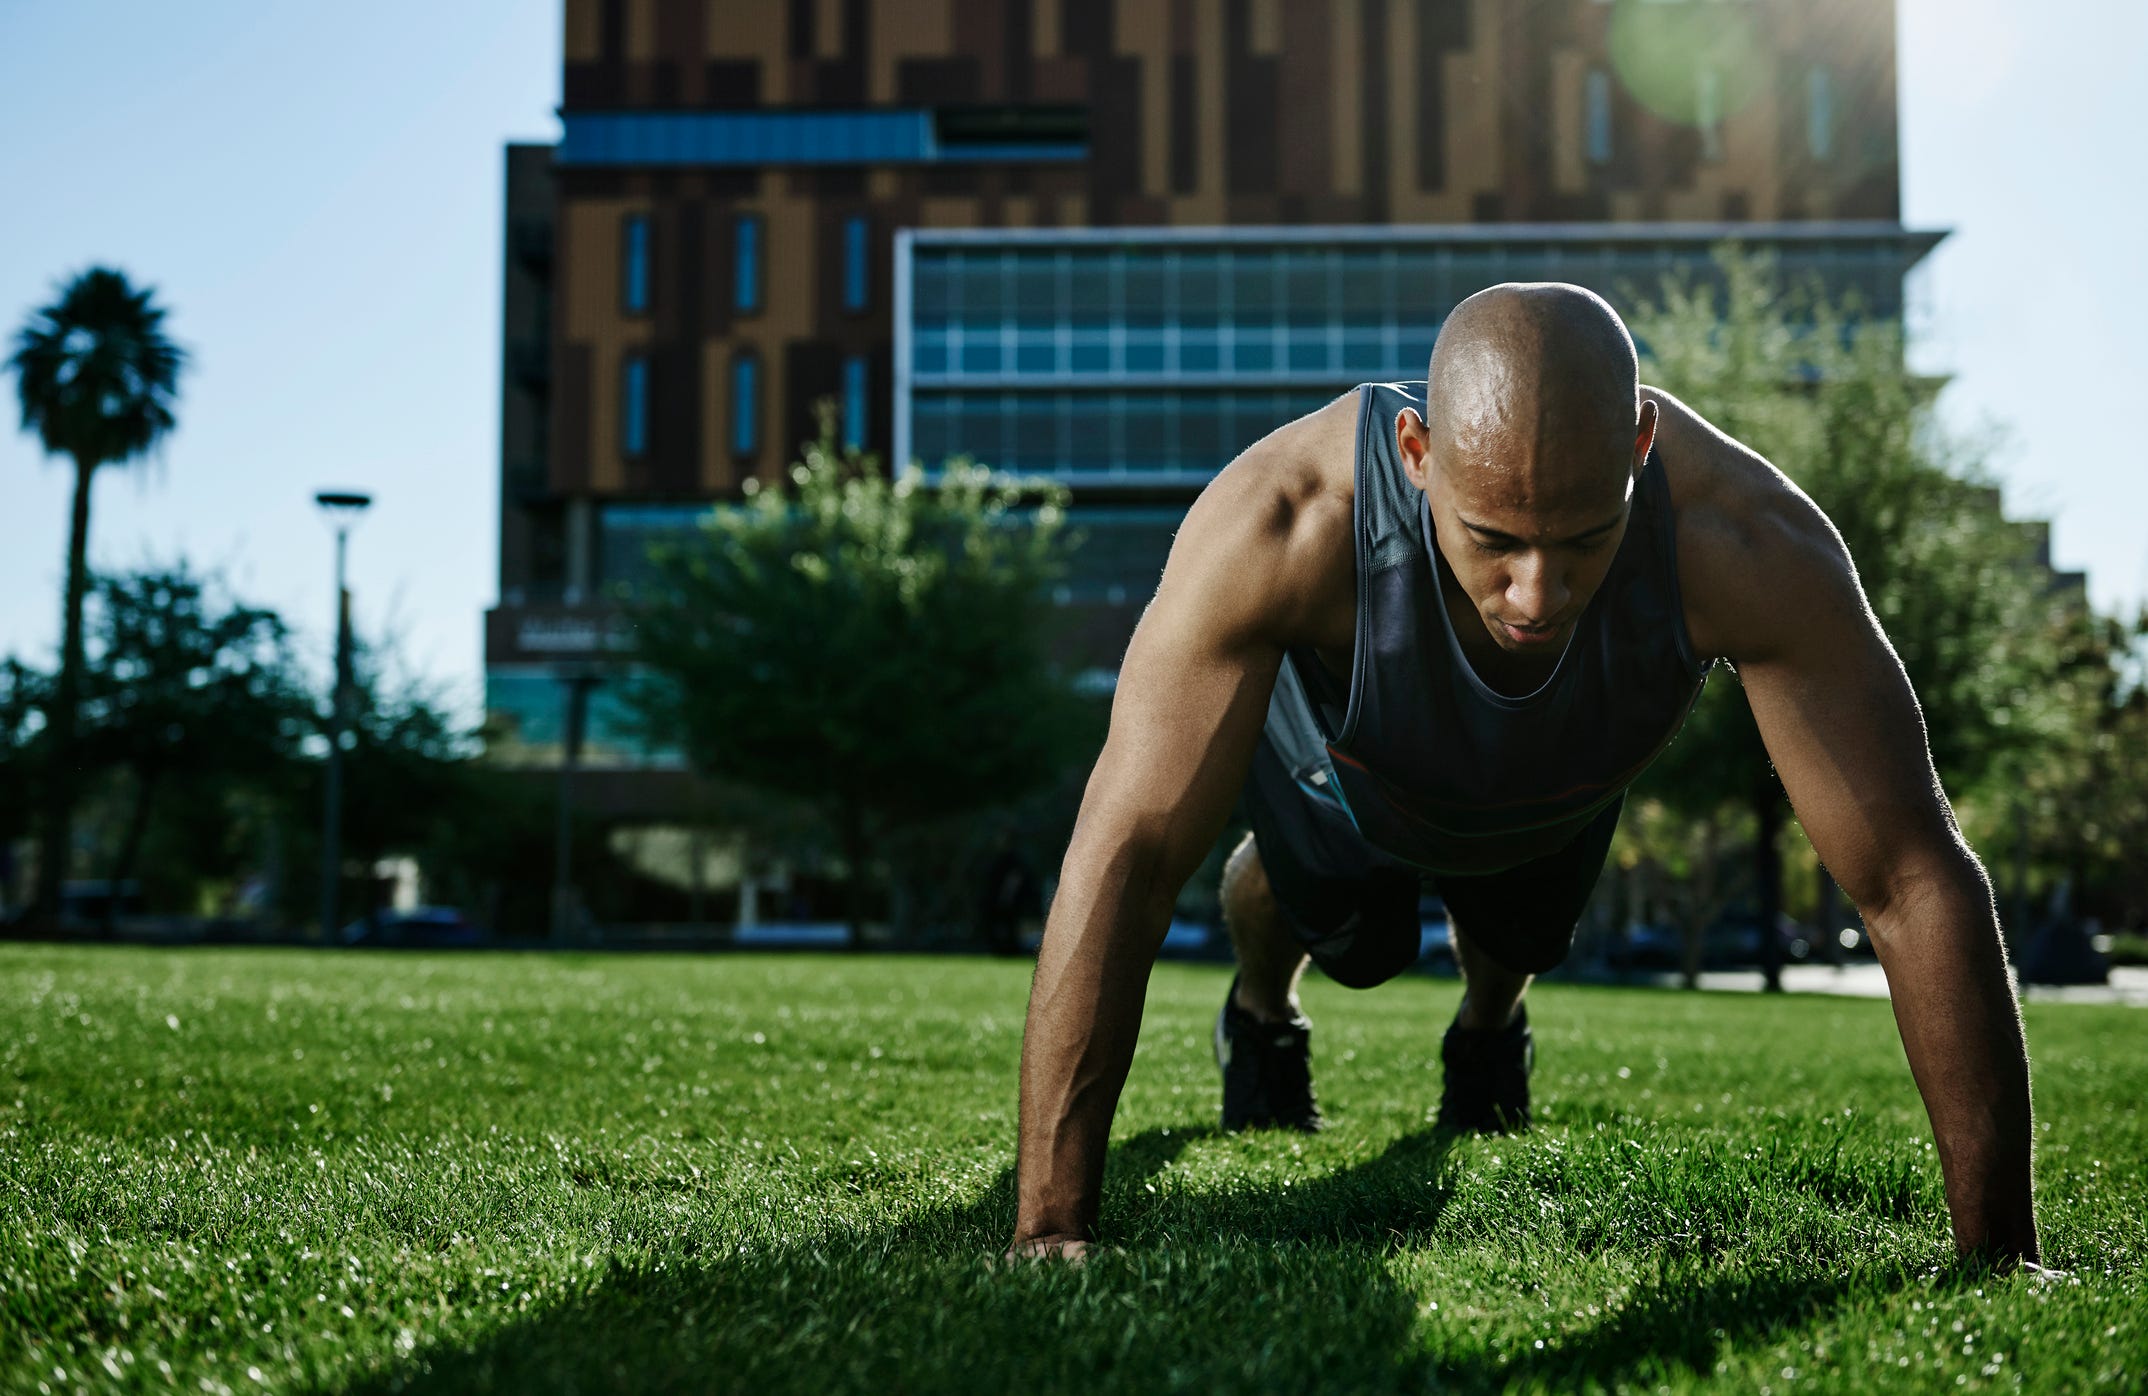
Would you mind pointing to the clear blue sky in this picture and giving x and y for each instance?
(315, 192)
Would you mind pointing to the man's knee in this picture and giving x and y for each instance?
(1245, 891)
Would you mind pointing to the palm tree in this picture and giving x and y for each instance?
(98, 380)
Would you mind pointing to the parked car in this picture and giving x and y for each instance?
(419, 926)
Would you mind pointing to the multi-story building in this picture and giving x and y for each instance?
(1107, 241)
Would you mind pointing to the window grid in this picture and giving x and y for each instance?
(1032, 358)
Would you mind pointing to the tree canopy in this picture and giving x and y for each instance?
(1826, 394)
(875, 647)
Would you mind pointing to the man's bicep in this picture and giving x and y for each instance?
(1843, 727)
(1191, 698)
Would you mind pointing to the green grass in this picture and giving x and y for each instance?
(308, 1171)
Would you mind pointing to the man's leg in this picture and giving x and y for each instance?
(1491, 993)
(1270, 960)
(1263, 1042)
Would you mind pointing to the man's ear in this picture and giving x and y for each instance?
(1413, 439)
(1644, 436)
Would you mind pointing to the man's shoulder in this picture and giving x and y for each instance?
(1748, 537)
(1275, 525)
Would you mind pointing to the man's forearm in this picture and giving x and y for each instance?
(1084, 1017)
(1954, 1004)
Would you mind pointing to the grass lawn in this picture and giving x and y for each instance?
(300, 1171)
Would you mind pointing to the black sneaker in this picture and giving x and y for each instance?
(1267, 1071)
(1487, 1088)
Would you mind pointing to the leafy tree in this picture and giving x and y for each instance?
(185, 693)
(98, 381)
(874, 647)
(1826, 394)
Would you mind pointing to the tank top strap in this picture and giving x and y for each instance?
(1387, 503)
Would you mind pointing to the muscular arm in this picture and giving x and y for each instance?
(1774, 591)
(1191, 698)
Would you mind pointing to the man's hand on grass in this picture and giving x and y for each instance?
(1071, 1249)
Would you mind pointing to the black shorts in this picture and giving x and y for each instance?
(1354, 909)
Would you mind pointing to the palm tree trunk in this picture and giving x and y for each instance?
(59, 792)
(1768, 880)
(130, 845)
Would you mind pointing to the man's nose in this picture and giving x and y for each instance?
(1537, 590)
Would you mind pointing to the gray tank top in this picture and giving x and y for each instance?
(1433, 766)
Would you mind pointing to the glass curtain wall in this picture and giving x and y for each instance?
(1153, 364)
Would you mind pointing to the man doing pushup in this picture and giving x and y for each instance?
(1433, 632)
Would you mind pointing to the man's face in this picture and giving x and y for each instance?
(1528, 529)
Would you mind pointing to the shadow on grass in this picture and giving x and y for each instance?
(1249, 1289)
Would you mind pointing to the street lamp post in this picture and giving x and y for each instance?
(341, 508)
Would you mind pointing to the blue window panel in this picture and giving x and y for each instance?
(1144, 354)
(1253, 355)
(932, 429)
(1252, 288)
(1143, 290)
(1035, 355)
(931, 354)
(1597, 102)
(1091, 355)
(1365, 353)
(781, 138)
(854, 403)
(634, 406)
(980, 355)
(930, 288)
(1305, 292)
(1036, 292)
(634, 264)
(1820, 113)
(1089, 432)
(857, 264)
(1415, 345)
(746, 265)
(1308, 352)
(1199, 355)
(745, 405)
(1200, 290)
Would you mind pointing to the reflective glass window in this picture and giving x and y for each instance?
(1308, 352)
(1596, 104)
(634, 406)
(1144, 298)
(634, 264)
(1199, 290)
(854, 403)
(857, 264)
(746, 264)
(745, 405)
(1252, 283)
(1200, 352)
(1820, 113)
(1305, 291)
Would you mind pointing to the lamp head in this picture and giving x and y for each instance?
(342, 507)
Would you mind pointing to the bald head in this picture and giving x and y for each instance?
(1536, 378)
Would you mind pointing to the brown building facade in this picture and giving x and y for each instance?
(973, 224)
